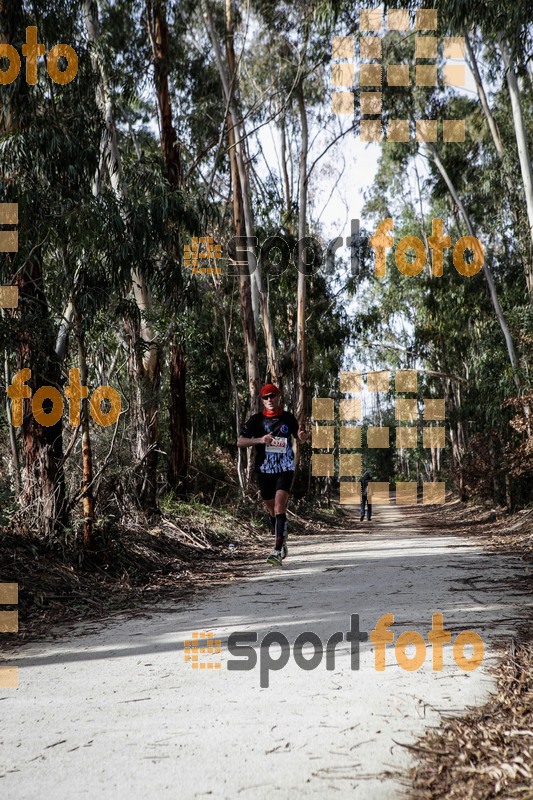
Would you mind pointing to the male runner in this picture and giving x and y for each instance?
(271, 433)
(364, 481)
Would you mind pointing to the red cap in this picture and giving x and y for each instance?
(269, 388)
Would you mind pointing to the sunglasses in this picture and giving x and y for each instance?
(269, 396)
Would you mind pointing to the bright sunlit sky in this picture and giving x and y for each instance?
(340, 180)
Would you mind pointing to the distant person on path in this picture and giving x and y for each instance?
(271, 432)
(364, 481)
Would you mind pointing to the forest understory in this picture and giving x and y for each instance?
(189, 547)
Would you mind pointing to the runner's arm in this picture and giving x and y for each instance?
(303, 436)
(299, 431)
(243, 441)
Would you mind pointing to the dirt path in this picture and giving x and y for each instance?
(118, 713)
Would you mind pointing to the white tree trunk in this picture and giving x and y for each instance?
(527, 260)
(111, 157)
(521, 141)
(486, 269)
(229, 80)
(301, 340)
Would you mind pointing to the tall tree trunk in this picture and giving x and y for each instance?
(87, 497)
(301, 339)
(511, 186)
(179, 452)
(243, 268)
(144, 356)
(219, 296)
(42, 499)
(486, 269)
(521, 142)
(247, 317)
(286, 181)
(43, 493)
(12, 437)
(144, 377)
(158, 31)
(230, 84)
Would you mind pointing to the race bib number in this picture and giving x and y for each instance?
(276, 446)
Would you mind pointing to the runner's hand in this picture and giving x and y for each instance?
(303, 436)
(267, 438)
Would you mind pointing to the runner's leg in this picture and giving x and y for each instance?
(280, 507)
(269, 505)
(267, 486)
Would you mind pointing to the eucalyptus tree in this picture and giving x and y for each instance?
(504, 37)
(44, 169)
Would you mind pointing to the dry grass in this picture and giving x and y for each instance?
(132, 566)
(488, 753)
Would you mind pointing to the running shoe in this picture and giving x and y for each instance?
(275, 559)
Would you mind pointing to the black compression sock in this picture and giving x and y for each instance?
(272, 521)
(281, 519)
